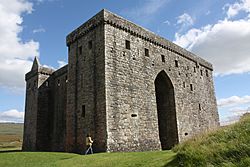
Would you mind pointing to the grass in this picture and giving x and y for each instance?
(11, 135)
(11, 139)
(42, 159)
(228, 146)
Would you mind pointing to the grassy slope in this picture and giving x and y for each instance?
(11, 136)
(38, 159)
(228, 146)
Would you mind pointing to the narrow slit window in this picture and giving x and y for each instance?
(176, 63)
(81, 78)
(194, 69)
(199, 106)
(201, 73)
(80, 50)
(206, 73)
(90, 45)
(83, 111)
(58, 82)
(163, 58)
(127, 43)
(191, 87)
(146, 52)
(184, 84)
(66, 78)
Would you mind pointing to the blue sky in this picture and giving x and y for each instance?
(217, 30)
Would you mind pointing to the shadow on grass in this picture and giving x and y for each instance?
(172, 163)
(9, 151)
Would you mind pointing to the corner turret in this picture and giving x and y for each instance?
(34, 81)
(35, 65)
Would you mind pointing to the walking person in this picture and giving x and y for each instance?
(89, 143)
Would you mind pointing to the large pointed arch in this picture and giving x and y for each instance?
(166, 111)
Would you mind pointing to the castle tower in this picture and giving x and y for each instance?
(86, 88)
(36, 107)
(134, 90)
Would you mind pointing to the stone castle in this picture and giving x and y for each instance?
(130, 89)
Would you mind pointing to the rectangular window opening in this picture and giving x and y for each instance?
(83, 111)
(58, 82)
(206, 73)
(191, 87)
(80, 49)
(127, 43)
(163, 58)
(81, 78)
(201, 73)
(176, 63)
(66, 78)
(90, 45)
(199, 106)
(146, 52)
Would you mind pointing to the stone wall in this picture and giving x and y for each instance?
(86, 112)
(58, 93)
(130, 87)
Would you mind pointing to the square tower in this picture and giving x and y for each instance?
(133, 90)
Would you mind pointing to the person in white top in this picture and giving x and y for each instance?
(89, 143)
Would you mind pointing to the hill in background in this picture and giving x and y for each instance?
(11, 136)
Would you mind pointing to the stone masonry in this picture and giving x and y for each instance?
(131, 89)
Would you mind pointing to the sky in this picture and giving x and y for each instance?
(216, 30)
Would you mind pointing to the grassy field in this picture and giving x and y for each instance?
(42, 159)
(228, 146)
(11, 135)
(11, 139)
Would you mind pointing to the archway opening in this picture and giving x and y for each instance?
(165, 100)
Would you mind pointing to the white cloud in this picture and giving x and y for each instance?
(233, 101)
(234, 116)
(12, 116)
(38, 30)
(15, 54)
(166, 22)
(61, 63)
(234, 9)
(233, 108)
(185, 20)
(225, 44)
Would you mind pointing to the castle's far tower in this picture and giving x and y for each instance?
(33, 120)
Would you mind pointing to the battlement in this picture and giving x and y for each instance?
(107, 17)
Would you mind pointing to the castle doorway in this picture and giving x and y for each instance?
(166, 111)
